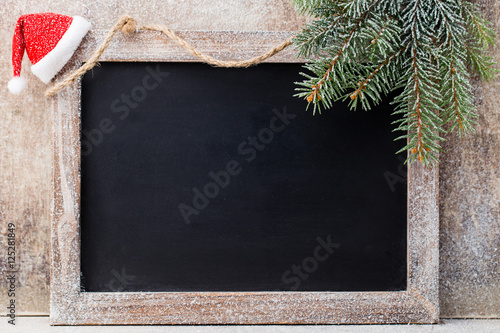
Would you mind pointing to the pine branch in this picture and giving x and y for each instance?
(364, 49)
(421, 121)
(315, 93)
(381, 31)
(480, 63)
(458, 106)
(478, 26)
(318, 33)
(364, 85)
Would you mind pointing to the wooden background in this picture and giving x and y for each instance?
(470, 173)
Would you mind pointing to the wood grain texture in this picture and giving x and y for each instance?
(25, 121)
(222, 45)
(470, 205)
(469, 176)
(70, 306)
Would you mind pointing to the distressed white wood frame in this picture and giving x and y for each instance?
(70, 306)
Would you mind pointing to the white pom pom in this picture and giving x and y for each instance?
(17, 84)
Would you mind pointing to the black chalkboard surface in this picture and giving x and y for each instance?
(196, 178)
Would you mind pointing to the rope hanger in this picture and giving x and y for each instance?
(128, 24)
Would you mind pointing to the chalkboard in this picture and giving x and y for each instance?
(196, 178)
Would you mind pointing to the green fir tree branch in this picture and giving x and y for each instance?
(363, 49)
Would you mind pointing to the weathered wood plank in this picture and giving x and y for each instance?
(470, 205)
(469, 213)
(25, 121)
(222, 45)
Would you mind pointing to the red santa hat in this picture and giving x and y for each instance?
(50, 40)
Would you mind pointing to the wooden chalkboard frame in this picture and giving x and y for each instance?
(70, 306)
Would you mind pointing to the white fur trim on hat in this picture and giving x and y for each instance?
(17, 84)
(51, 64)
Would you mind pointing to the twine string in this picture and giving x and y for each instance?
(128, 24)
